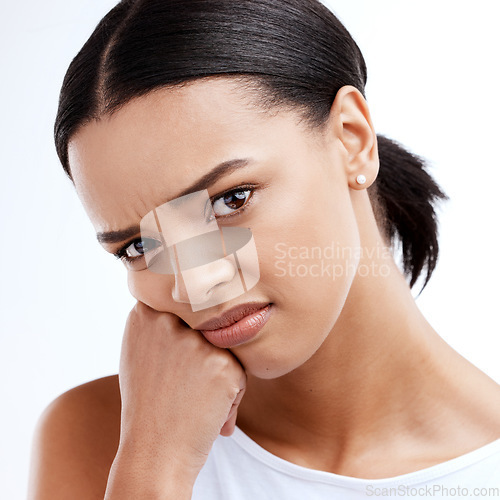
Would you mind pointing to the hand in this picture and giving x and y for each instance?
(179, 392)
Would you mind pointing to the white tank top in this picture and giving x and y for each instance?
(238, 468)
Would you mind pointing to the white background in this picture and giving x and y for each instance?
(433, 82)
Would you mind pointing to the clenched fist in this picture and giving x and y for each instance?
(179, 392)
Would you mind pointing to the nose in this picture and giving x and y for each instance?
(198, 285)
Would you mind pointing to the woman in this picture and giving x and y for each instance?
(320, 377)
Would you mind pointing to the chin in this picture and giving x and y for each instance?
(271, 362)
(267, 373)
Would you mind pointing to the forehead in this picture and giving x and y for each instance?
(156, 145)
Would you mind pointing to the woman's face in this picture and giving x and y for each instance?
(295, 198)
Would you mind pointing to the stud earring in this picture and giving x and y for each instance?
(360, 179)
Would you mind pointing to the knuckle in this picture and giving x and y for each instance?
(169, 320)
(225, 368)
(234, 392)
(220, 362)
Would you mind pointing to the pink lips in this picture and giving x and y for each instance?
(232, 315)
(236, 326)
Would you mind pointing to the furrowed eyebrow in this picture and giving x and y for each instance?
(206, 181)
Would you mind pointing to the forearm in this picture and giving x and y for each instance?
(133, 479)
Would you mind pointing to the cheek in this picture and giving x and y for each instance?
(151, 289)
(307, 264)
(309, 253)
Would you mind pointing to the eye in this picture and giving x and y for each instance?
(136, 249)
(231, 201)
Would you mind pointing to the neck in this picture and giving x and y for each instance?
(379, 374)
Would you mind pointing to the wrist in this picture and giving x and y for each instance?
(136, 477)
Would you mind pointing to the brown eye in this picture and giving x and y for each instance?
(230, 202)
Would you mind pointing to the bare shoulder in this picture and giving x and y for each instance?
(75, 442)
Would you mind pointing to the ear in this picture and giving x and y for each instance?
(352, 125)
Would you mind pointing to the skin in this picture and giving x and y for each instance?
(347, 376)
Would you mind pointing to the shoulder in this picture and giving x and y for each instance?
(75, 442)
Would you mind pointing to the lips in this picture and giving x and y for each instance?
(240, 332)
(232, 316)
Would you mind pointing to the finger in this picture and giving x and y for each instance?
(228, 427)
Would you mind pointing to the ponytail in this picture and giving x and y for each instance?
(404, 196)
